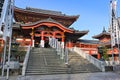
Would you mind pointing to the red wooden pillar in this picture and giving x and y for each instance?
(32, 38)
(42, 42)
(115, 57)
(62, 41)
(98, 56)
(90, 52)
(70, 44)
(116, 51)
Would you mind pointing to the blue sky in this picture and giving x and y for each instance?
(94, 14)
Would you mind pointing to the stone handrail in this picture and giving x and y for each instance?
(111, 63)
(25, 61)
(96, 62)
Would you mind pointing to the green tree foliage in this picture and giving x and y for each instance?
(105, 55)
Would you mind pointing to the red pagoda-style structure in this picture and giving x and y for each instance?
(34, 27)
(103, 37)
(105, 40)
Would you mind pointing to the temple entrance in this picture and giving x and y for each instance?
(46, 42)
(37, 41)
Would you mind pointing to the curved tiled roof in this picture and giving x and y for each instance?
(46, 20)
(88, 41)
(76, 35)
(101, 34)
(64, 19)
(104, 33)
(44, 11)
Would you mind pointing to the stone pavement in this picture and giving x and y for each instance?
(81, 76)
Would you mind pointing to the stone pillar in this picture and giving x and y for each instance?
(42, 42)
(33, 43)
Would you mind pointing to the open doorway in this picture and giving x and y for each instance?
(37, 41)
(46, 42)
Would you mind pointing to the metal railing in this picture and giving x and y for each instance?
(25, 61)
(99, 64)
(62, 51)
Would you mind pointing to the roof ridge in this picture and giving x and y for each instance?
(44, 11)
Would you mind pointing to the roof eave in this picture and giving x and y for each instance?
(75, 17)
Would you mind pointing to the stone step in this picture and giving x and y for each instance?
(48, 69)
(45, 73)
(45, 61)
(52, 66)
(44, 67)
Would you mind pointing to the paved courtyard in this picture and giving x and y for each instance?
(81, 76)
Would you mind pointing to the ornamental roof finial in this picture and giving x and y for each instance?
(104, 30)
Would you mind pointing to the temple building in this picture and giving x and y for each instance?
(34, 27)
(105, 40)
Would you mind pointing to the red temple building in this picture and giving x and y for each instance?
(34, 27)
(105, 40)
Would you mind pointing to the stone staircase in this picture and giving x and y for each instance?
(46, 61)
(78, 64)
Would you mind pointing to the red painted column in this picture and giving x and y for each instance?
(115, 57)
(98, 56)
(90, 52)
(32, 38)
(70, 44)
(42, 35)
(62, 41)
(116, 51)
(42, 42)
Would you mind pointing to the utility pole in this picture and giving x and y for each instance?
(6, 18)
(2, 10)
(114, 28)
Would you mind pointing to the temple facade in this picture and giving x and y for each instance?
(105, 41)
(34, 27)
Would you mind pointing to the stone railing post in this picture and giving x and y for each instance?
(25, 61)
